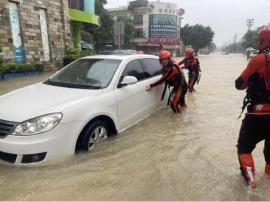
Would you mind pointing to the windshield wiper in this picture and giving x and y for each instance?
(71, 85)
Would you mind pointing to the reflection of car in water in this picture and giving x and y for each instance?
(88, 100)
(253, 54)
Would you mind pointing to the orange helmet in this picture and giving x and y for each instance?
(189, 52)
(264, 38)
(164, 55)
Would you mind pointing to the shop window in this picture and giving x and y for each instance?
(76, 4)
(139, 33)
(138, 19)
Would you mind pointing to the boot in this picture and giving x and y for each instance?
(248, 169)
(267, 169)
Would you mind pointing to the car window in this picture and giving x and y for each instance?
(86, 73)
(151, 67)
(134, 68)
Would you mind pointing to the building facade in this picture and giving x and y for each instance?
(34, 31)
(157, 25)
(82, 17)
(39, 31)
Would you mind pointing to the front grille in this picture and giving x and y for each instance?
(11, 158)
(6, 127)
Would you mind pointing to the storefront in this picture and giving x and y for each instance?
(34, 31)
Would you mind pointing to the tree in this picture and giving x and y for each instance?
(197, 36)
(104, 34)
(250, 39)
(129, 31)
(212, 47)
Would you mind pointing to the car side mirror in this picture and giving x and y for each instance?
(129, 80)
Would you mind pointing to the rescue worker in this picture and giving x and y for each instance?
(256, 124)
(192, 64)
(172, 76)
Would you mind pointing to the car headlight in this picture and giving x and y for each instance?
(37, 125)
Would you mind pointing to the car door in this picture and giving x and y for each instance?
(152, 69)
(133, 100)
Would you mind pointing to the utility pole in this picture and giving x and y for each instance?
(250, 23)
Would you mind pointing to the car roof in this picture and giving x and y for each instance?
(121, 57)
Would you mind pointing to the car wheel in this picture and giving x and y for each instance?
(93, 133)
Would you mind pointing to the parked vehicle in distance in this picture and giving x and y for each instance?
(124, 52)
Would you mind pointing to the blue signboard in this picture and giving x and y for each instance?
(16, 33)
(162, 26)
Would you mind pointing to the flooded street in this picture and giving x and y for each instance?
(191, 156)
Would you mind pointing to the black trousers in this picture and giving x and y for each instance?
(254, 129)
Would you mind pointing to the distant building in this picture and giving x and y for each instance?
(157, 24)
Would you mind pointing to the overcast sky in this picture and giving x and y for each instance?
(226, 17)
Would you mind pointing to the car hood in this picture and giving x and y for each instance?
(40, 99)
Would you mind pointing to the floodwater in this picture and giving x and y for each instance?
(189, 156)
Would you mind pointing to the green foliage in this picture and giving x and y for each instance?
(129, 31)
(87, 53)
(197, 36)
(1, 58)
(86, 36)
(73, 54)
(250, 39)
(20, 68)
(104, 34)
(212, 47)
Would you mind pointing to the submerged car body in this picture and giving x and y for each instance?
(92, 98)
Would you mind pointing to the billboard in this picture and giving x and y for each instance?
(162, 26)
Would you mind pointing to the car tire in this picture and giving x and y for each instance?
(92, 134)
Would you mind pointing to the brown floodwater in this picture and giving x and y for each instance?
(189, 156)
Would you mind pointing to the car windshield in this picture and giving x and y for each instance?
(86, 74)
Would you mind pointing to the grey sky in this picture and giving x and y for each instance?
(226, 17)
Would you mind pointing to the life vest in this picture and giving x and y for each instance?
(258, 91)
(178, 80)
(193, 66)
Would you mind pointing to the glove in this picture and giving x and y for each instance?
(148, 88)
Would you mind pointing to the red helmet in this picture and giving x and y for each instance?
(189, 52)
(164, 55)
(264, 38)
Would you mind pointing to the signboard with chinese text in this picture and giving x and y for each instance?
(162, 26)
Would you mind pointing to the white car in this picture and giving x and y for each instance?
(92, 98)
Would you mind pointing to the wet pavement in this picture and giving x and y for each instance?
(189, 156)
